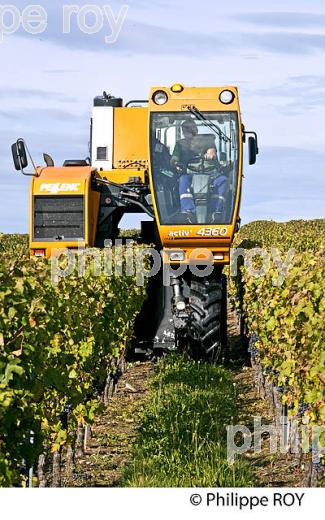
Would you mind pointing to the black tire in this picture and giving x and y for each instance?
(208, 327)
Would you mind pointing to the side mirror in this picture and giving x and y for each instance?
(19, 155)
(252, 150)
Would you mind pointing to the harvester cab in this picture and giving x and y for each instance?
(178, 158)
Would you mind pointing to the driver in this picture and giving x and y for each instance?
(186, 151)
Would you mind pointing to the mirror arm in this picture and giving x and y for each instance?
(247, 132)
(31, 159)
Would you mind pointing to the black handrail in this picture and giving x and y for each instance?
(136, 101)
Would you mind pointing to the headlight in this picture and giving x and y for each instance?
(226, 97)
(177, 256)
(181, 305)
(160, 97)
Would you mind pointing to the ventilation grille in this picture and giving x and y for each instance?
(102, 153)
(59, 218)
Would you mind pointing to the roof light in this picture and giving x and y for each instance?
(177, 88)
(160, 97)
(226, 97)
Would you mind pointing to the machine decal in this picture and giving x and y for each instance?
(212, 232)
(60, 187)
(180, 234)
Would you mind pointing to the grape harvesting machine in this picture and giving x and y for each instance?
(177, 157)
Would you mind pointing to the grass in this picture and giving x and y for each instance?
(181, 440)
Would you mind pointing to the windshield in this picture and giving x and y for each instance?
(194, 163)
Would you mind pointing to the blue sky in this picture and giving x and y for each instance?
(273, 50)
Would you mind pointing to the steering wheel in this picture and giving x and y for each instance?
(200, 166)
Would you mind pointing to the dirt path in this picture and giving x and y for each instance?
(272, 470)
(114, 431)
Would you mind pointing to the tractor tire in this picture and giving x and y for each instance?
(208, 326)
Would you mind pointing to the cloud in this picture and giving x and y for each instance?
(305, 82)
(284, 19)
(8, 115)
(136, 38)
(142, 37)
(285, 183)
(153, 34)
(282, 210)
(57, 132)
(21, 93)
(60, 71)
(300, 93)
(287, 43)
(43, 116)
(14, 210)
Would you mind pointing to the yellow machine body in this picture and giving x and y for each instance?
(215, 238)
(177, 158)
(131, 163)
(53, 182)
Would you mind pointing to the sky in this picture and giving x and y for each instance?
(274, 51)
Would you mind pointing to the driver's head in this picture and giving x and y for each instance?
(160, 122)
(189, 129)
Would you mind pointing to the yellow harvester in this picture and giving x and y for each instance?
(177, 157)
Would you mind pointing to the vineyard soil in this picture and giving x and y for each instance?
(109, 451)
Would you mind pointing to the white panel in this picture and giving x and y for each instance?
(102, 137)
